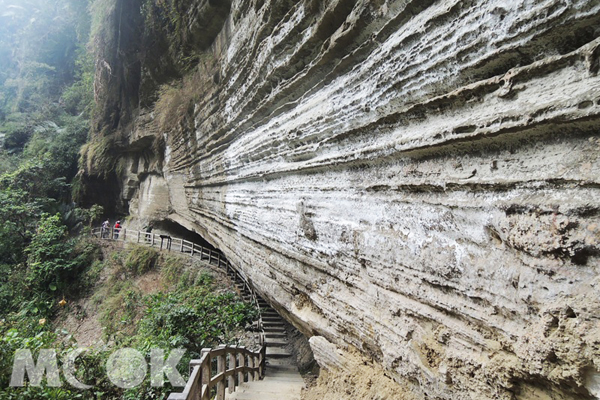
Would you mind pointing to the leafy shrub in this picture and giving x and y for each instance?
(16, 135)
(194, 318)
(53, 259)
(30, 334)
(19, 215)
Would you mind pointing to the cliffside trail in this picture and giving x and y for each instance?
(412, 183)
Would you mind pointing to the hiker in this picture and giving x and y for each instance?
(117, 229)
(104, 230)
(148, 230)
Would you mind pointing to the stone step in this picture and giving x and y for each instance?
(275, 335)
(274, 324)
(277, 343)
(274, 384)
(270, 385)
(272, 318)
(281, 339)
(262, 395)
(274, 329)
(277, 352)
(270, 314)
(277, 362)
(275, 373)
(282, 369)
(289, 378)
(281, 382)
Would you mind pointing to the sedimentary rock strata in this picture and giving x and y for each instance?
(418, 180)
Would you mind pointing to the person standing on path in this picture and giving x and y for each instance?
(105, 228)
(117, 230)
(148, 229)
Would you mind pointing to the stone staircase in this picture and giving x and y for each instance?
(282, 380)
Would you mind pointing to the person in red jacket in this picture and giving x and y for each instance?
(117, 229)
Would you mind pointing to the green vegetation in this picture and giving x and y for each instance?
(47, 269)
(55, 261)
(186, 309)
(46, 99)
(142, 260)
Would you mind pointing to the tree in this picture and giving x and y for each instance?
(53, 259)
(20, 216)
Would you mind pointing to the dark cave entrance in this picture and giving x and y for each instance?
(179, 231)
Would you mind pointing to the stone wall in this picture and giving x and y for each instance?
(416, 180)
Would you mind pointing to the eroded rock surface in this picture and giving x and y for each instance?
(417, 180)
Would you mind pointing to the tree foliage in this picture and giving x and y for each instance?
(46, 97)
(53, 259)
(46, 74)
(46, 104)
(19, 216)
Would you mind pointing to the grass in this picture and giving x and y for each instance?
(121, 308)
(141, 259)
(176, 100)
(99, 155)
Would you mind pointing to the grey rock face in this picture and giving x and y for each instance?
(419, 180)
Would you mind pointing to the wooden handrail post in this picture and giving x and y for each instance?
(231, 366)
(152, 234)
(241, 364)
(124, 233)
(138, 238)
(205, 374)
(220, 370)
(257, 362)
(251, 365)
(263, 357)
(181, 249)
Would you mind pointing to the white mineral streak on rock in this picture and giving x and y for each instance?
(327, 354)
(418, 180)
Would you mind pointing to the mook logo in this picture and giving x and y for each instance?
(126, 368)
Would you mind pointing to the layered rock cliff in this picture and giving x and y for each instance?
(417, 180)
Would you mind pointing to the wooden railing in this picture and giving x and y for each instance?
(234, 365)
(163, 242)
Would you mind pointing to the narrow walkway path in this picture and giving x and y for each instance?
(282, 380)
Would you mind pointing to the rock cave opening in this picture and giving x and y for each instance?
(179, 231)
